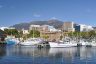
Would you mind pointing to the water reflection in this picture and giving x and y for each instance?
(2, 51)
(28, 51)
(64, 52)
(86, 52)
(52, 55)
(79, 52)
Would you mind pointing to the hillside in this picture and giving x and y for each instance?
(55, 23)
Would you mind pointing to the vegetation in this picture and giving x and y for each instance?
(18, 34)
(2, 33)
(45, 37)
(85, 35)
(12, 32)
(34, 33)
(61, 37)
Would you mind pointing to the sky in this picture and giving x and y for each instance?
(19, 11)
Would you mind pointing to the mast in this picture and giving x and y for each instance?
(33, 32)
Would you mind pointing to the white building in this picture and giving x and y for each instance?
(25, 31)
(52, 29)
(34, 27)
(49, 28)
(90, 28)
(83, 28)
(44, 27)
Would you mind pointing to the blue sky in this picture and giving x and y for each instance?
(18, 11)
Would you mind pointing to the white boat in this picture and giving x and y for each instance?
(83, 43)
(32, 41)
(63, 44)
(93, 43)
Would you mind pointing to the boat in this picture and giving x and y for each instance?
(32, 41)
(63, 44)
(83, 42)
(12, 41)
(93, 43)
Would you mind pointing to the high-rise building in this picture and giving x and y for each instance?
(83, 28)
(68, 26)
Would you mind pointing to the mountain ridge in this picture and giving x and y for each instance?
(52, 22)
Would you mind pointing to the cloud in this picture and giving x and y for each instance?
(36, 15)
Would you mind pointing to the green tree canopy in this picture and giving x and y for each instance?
(11, 32)
(34, 33)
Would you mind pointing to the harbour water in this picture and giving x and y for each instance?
(32, 55)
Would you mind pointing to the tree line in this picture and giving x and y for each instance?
(84, 35)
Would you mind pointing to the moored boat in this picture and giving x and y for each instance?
(62, 44)
(32, 41)
(12, 41)
(93, 43)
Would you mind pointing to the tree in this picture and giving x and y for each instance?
(13, 32)
(92, 34)
(20, 33)
(2, 33)
(34, 33)
(84, 35)
(45, 37)
(61, 37)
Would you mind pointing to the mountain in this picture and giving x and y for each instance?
(52, 22)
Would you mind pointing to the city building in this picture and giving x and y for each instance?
(90, 28)
(83, 28)
(68, 26)
(51, 35)
(52, 29)
(44, 28)
(94, 28)
(25, 31)
(34, 27)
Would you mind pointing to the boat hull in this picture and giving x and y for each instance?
(93, 44)
(29, 43)
(61, 45)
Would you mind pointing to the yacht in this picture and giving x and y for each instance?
(83, 42)
(93, 43)
(63, 44)
(32, 41)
